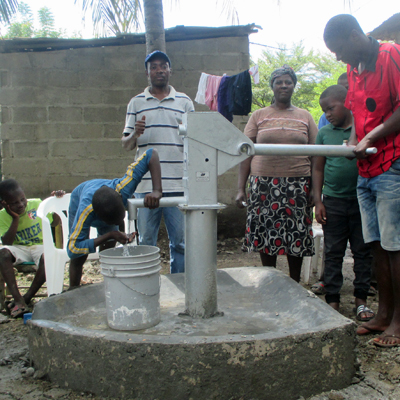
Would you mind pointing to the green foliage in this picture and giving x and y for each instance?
(315, 72)
(46, 20)
(113, 17)
(23, 24)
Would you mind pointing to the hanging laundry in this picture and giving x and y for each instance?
(253, 71)
(213, 83)
(241, 95)
(235, 95)
(201, 90)
(223, 98)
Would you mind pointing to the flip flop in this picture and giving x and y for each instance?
(364, 330)
(18, 311)
(387, 345)
(364, 309)
(318, 288)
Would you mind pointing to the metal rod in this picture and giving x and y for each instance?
(307, 150)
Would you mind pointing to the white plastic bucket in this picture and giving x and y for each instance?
(132, 287)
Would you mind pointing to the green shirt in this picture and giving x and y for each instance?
(340, 174)
(29, 225)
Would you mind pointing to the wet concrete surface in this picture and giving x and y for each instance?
(271, 325)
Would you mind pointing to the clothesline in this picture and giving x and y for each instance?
(229, 95)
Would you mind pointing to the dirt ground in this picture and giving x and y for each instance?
(378, 376)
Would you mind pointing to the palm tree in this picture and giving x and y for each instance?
(154, 24)
(7, 9)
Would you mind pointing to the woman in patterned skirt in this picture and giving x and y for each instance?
(279, 215)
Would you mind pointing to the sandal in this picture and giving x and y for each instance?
(318, 288)
(364, 309)
(18, 311)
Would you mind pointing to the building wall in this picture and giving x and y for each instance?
(63, 112)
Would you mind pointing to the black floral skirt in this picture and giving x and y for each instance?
(279, 219)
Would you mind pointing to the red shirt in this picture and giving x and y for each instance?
(373, 96)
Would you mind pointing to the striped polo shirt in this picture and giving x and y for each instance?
(161, 132)
(373, 97)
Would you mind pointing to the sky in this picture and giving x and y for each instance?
(286, 23)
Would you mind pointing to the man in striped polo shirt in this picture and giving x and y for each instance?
(152, 121)
(373, 73)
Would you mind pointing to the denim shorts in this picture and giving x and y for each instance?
(379, 199)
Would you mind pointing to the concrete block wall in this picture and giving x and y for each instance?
(63, 112)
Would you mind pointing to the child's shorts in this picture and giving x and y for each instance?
(26, 254)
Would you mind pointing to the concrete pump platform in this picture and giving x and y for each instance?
(276, 340)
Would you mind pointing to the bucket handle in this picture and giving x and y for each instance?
(145, 294)
(112, 271)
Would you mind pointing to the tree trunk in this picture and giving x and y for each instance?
(154, 23)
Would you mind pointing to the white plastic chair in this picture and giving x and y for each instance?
(310, 264)
(54, 259)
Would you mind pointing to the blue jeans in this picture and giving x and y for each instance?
(149, 225)
(343, 223)
(379, 199)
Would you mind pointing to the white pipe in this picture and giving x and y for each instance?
(134, 204)
(307, 150)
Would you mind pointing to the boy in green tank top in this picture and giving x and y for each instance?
(21, 236)
(334, 182)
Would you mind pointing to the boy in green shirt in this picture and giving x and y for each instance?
(21, 236)
(336, 179)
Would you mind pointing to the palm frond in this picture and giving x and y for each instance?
(7, 9)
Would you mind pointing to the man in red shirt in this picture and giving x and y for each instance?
(373, 73)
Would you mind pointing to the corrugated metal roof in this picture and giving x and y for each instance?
(177, 33)
(388, 30)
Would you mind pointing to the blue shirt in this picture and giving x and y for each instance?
(81, 215)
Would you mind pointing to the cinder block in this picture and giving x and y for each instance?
(6, 151)
(104, 149)
(126, 63)
(31, 149)
(233, 45)
(25, 166)
(49, 59)
(65, 114)
(85, 97)
(87, 131)
(86, 59)
(34, 186)
(114, 130)
(106, 79)
(73, 149)
(54, 131)
(55, 166)
(66, 182)
(60, 78)
(26, 77)
(188, 62)
(221, 62)
(4, 79)
(11, 60)
(90, 166)
(103, 114)
(119, 97)
(201, 46)
(50, 96)
(21, 132)
(30, 114)
(6, 115)
(116, 167)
